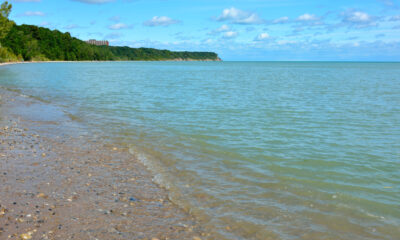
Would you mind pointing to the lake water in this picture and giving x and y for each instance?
(256, 150)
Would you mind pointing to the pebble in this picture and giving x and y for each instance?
(41, 195)
(25, 236)
(2, 212)
(132, 199)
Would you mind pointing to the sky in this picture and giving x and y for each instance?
(238, 30)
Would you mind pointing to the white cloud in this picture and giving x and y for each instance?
(230, 34)
(94, 1)
(238, 16)
(160, 21)
(358, 19)
(307, 17)
(32, 13)
(262, 37)
(307, 20)
(395, 18)
(209, 41)
(223, 28)
(281, 20)
(118, 26)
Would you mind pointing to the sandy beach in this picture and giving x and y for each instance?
(57, 181)
(9, 63)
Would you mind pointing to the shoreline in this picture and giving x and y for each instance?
(88, 61)
(59, 182)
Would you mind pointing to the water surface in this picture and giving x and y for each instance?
(256, 150)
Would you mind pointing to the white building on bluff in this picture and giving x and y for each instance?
(98, 43)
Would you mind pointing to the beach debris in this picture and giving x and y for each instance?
(2, 212)
(41, 195)
(115, 149)
(196, 238)
(43, 154)
(26, 236)
(132, 199)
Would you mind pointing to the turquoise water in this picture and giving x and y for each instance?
(256, 150)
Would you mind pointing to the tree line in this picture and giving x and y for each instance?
(33, 43)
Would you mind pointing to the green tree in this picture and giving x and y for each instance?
(5, 24)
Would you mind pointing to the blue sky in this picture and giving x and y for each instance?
(366, 30)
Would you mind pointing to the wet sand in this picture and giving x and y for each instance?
(57, 181)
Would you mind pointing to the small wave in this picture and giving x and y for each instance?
(167, 181)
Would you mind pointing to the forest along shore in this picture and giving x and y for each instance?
(59, 184)
(168, 60)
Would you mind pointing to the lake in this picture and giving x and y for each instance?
(255, 150)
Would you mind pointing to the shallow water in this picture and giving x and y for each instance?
(256, 150)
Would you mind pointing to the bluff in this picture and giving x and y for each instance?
(33, 43)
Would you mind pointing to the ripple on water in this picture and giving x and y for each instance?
(255, 150)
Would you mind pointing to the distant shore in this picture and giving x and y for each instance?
(169, 60)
